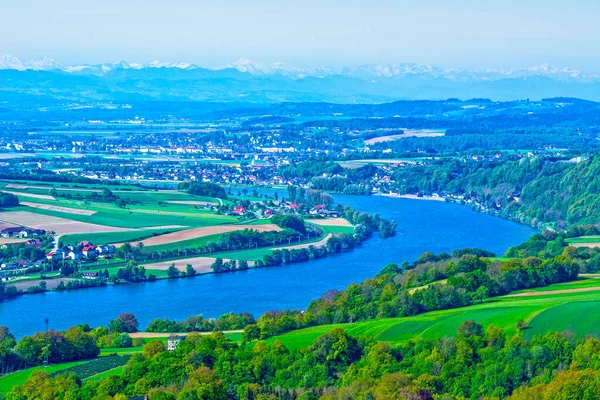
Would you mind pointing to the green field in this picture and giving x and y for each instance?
(196, 242)
(105, 374)
(584, 239)
(148, 208)
(577, 312)
(17, 378)
(114, 237)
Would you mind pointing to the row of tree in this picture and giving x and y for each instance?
(433, 282)
(198, 323)
(206, 189)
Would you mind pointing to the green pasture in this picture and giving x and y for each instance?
(115, 237)
(584, 239)
(581, 283)
(17, 378)
(105, 374)
(135, 216)
(577, 312)
(183, 244)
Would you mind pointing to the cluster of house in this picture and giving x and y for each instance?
(16, 265)
(35, 243)
(82, 251)
(322, 211)
(21, 232)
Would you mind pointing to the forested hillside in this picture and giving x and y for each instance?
(475, 364)
(531, 190)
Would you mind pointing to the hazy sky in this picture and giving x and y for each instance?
(325, 32)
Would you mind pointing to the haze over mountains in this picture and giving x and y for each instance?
(245, 80)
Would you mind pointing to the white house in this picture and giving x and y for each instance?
(173, 342)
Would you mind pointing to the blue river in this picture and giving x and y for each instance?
(422, 226)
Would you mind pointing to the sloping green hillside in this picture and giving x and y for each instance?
(542, 309)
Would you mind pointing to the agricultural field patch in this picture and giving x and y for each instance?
(189, 234)
(320, 243)
(58, 208)
(202, 265)
(584, 241)
(329, 222)
(50, 283)
(18, 378)
(578, 312)
(581, 318)
(51, 223)
(132, 236)
(429, 133)
(32, 195)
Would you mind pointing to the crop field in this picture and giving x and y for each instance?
(111, 372)
(543, 311)
(202, 265)
(146, 209)
(27, 217)
(58, 208)
(408, 133)
(330, 222)
(189, 234)
(17, 378)
(584, 241)
(133, 236)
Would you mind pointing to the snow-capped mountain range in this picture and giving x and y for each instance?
(369, 72)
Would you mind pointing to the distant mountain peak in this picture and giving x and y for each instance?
(367, 72)
(11, 62)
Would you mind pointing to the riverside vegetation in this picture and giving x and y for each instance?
(476, 362)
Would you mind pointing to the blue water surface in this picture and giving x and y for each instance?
(422, 226)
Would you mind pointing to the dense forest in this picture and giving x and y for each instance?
(474, 364)
(531, 190)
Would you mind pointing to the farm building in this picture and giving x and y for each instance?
(89, 275)
(11, 232)
(89, 251)
(173, 341)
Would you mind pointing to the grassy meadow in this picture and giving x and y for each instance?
(577, 312)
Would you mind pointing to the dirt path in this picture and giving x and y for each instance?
(320, 243)
(578, 290)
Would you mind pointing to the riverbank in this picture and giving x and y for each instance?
(410, 196)
(207, 263)
(422, 226)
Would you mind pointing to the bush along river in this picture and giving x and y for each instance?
(422, 226)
